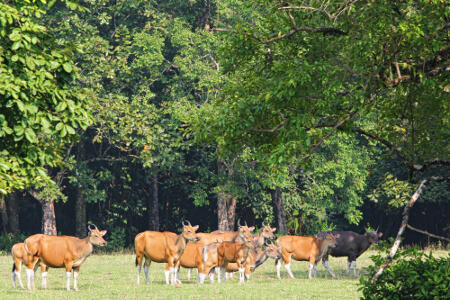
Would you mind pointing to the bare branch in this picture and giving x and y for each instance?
(401, 230)
(429, 234)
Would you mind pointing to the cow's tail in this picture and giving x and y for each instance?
(14, 267)
(136, 262)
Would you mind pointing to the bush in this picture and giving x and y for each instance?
(412, 275)
(7, 241)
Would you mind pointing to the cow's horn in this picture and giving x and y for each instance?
(183, 222)
(262, 224)
(246, 223)
(239, 223)
(377, 228)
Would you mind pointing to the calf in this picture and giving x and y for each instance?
(20, 256)
(64, 251)
(303, 248)
(350, 244)
(233, 252)
(163, 247)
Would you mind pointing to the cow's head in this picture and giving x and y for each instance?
(96, 236)
(330, 239)
(272, 250)
(189, 232)
(244, 231)
(373, 236)
(267, 232)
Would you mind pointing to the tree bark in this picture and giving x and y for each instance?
(13, 212)
(153, 205)
(48, 222)
(280, 213)
(231, 211)
(222, 213)
(80, 214)
(402, 228)
(4, 214)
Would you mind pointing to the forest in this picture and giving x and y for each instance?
(307, 115)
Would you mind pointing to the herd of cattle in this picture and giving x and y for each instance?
(220, 252)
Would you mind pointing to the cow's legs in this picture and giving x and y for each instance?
(30, 278)
(348, 267)
(16, 274)
(354, 267)
(146, 268)
(315, 270)
(75, 276)
(311, 268)
(44, 275)
(278, 266)
(138, 264)
(325, 264)
(68, 265)
(167, 274)
(189, 274)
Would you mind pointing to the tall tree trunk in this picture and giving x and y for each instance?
(13, 212)
(153, 205)
(80, 200)
(4, 214)
(222, 214)
(280, 213)
(80, 214)
(48, 222)
(231, 211)
(48, 217)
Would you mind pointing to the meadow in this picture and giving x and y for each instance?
(114, 277)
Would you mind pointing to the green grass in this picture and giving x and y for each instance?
(114, 277)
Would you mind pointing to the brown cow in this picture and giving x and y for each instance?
(163, 247)
(303, 248)
(266, 233)
(20, 256)
(233, 252)
(256, 257)
(64, 251)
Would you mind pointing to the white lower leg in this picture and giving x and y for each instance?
(147, 277)
(211, 277)
(68, 274)
(30, 277)
(19, 279)
(230, 275)
(278, 269)
(325, 264)
(354, 267)
(44, 280)
(348, 267)
(75, 276)
(311, 267)
(138, 274)
(247, 277)
(14, 278)
(201, 278)
(315, 270)
(189, 274)
(166, 275)
(222, 271)
(288, 269)
(177, 276)
(172, 275)
(241, 275)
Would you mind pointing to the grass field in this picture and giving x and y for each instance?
(114, 277)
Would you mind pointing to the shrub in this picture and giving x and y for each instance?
(7, 241)
(412, 275)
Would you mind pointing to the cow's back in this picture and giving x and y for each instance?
(189, 256)
(154, 244)
(54, 250)
(301, 247)
(348, 242)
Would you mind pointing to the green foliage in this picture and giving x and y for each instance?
(7, 241)
(412, 275)
(39, 112)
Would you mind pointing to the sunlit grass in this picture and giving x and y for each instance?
(114, 277)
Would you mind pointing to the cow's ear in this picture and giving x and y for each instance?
(195, 227)
(380, 234)
(103, 232)
(251, 228)
(274, 229)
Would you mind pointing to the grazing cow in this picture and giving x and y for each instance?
(64, 251)
(219, 235)
(163, 247)
(233, 252)
(350, 244)
(303, 248)
(20, 256)
(256, 257)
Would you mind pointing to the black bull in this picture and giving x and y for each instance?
(350, 244)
